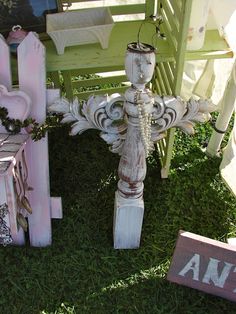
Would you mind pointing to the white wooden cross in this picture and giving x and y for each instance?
(125, 124)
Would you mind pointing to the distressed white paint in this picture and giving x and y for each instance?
(193, 266)
(227, 107)
(213, 275)
(127, 224)
(135, 136)
(32, 80)
(5, 68)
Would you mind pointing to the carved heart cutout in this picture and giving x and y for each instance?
(17, 103)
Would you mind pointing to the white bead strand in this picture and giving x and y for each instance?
(145, 120)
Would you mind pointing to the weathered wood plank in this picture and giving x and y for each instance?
(176, 8)
(160, 81)
(166, 81)
(32, 80)
(171, 18)
(5, 67)
(84, 95)
(204, 264)
(68, 84)
(99, 81)
(91, 56)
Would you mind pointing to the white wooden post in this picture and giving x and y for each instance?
(32, 80)
(224, 117)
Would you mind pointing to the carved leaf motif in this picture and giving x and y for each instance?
(104, 113)
(170, 112)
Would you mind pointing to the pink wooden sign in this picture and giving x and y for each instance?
(204, 264)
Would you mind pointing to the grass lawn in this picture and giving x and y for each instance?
(81, 272)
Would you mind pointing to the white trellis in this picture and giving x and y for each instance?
(32, 86)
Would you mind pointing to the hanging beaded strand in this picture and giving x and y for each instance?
(145, 121)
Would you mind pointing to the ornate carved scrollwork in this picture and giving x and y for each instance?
(107, 114)
(104, 113)
(172, 111)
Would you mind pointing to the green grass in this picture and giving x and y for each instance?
(81, 272)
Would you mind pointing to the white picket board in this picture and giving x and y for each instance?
(5, 66)
(32, 80)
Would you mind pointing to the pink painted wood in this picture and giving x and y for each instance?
(32, 80)
(204, 264)
(7, 194)
(5, 68)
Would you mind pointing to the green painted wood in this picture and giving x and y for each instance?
(182, 43)
(166, 28)
(85, 95)
(169, 74)
(99, 81)
(166, 81)
(106, 69)
(150, 8)
(88, 57)
(127, 9)
(172, 18)
(160, 81)
(55, 79)
(176, 8)
(68, 84)
(179, 39)
(161, 148)
(122, 9)
(168, 153)
(156, 87)
(92, 56)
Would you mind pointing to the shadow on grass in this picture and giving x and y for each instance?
(81, 272)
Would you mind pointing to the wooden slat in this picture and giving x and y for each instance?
(161, 146)
(165, 79)
(182, 43)
(127, 9)
(55, 79)
(168, 153)
(168, 31)
(176, 8)
(92, 56)
(169, 74)
(150, 9)
(160, 80)
(172, 67)
(85, 95)
(122, 9)
(99, 81)
(156, 86)
(114, 68)
(171, 18)
(89, 57)
(68, 84)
